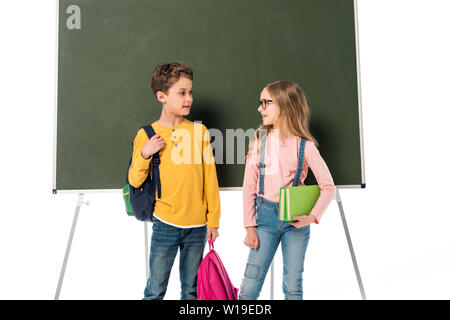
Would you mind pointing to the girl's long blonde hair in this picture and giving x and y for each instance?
(291, 101)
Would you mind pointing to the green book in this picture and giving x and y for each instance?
(297, 201)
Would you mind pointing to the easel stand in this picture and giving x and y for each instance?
(80, 202)
(69, 243)
(350, 247)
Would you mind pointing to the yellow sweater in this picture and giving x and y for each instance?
(189, 188)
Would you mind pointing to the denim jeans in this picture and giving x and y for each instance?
(270, 232)
(166, 240)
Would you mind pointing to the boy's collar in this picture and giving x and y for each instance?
(171, 128)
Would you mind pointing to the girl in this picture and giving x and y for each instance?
(274, 161)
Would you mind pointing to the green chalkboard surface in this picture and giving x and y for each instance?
(107, 51)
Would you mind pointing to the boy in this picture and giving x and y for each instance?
(188, 211)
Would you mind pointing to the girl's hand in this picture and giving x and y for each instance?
(251, 239)
(302, 221)
(152, 146)
(212, 234)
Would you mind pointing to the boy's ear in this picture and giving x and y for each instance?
(161, 96)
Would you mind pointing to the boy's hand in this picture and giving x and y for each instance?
(302, 221)
(212, 234)
(251, 239)
(152, 146)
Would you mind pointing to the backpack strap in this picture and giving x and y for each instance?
(156, 181)
(301, 153)
(211, 245)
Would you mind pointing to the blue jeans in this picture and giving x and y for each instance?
(166, 240)
(270, 232)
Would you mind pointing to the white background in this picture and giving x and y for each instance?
(400, 224)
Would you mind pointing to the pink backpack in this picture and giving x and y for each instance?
(213, 282)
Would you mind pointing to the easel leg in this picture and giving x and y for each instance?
(147, 271)
(69, 244)
(350, 246)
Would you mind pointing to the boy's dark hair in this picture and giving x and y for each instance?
(165, 75)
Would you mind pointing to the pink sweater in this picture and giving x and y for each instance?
(281, 164)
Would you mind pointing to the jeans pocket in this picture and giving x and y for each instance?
(157, 224)
(264, 217)
(258, 213)
(156, 220)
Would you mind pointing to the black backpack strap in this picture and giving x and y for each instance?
(150, 133)
(156, 161)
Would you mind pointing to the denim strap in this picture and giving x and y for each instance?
(261, 166)
(300, 162)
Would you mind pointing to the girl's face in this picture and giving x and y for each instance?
(271, 113)
(178, 100)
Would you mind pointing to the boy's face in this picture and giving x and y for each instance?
(178, 99)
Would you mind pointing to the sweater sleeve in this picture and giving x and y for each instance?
(250, 186)
(139, 167)
(323, 176)
(210, 183)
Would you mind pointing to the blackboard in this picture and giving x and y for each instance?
(107, 51)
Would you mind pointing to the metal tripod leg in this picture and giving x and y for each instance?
(272, 276)
(69, 243)
(350, 246)
(146, 250)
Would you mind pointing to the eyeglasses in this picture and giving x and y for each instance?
(263, 103)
